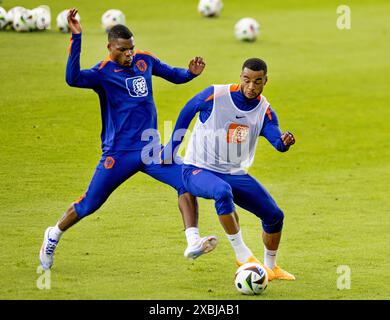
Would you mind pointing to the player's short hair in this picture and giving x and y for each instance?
(255, 64)
(119, 31)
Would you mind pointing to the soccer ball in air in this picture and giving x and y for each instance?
(251, 279)
(247, 29)
(62, 21)
(42, 17)
(3, 18)
(24, 20)
(111, 18)
(210, 8)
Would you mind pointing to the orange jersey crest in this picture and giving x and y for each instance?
(237, 133)
(141, 65)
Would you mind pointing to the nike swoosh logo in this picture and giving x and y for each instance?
(118, 70)
(237, 117)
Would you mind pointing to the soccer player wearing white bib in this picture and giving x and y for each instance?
(220, 151)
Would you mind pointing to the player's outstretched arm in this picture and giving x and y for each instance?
(196, 104)
(179, 75)
(271, 131)
(74, 76)
(183, 121)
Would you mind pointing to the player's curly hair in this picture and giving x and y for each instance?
(119, 31)
(255, 64)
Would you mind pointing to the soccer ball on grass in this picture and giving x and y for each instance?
(11, 14)
(111, 18)
(3, 18)
(247, 29)
(62, 21)
(251, 279)
(24, 20)
(42, 17)
(210, 8)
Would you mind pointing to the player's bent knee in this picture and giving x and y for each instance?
(274, 223)
(181, 190)
(223, 197)
(84, 208)
(223, 192)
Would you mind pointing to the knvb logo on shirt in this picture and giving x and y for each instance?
(141, 65)
(137, 87)
(237, 133)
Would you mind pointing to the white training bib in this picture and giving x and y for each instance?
(226, 142)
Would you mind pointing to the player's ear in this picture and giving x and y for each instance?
(266, 79)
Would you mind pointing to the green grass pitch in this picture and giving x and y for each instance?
(330, 87)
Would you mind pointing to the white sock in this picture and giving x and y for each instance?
(55, 233)
(270, 258)
(240, 249)
(192, 235)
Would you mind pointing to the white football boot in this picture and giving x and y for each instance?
(203, 245)
(47, 250)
